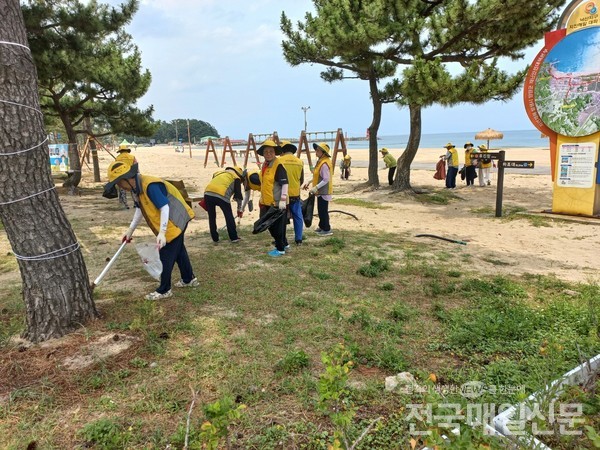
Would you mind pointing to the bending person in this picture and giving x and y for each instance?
(166, 213)
(218, 192)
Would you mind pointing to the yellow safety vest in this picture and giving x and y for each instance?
(294, 167)
(454, 155)
(328, 188)
(179, 212)
(468, 154)
(267, 184)
(488, 164)
(221, 183)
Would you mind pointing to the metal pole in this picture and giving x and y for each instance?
(500, 184)
(305, 108)
(189, 138)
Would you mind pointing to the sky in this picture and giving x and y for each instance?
(221, 61)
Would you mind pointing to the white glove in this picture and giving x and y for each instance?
(127, 236)
(161, 240)
(282, 204)
(314, 190)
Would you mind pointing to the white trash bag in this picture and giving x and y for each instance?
(150, 258)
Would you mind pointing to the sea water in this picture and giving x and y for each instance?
(511, 139)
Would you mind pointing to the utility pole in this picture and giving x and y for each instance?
(305, 108)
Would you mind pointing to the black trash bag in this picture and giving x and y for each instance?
(463, 172)
(268, 219)
(308, 209)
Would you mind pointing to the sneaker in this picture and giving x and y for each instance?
(158, 296)
(324, 233)
(287, 247)
(236, 241)
(298, 243)
(318, 230)
(275, 253)
(192, 283)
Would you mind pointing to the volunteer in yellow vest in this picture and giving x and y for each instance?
(251, 182)
(390, 163)
(274, 192)
(166, 213)
(345, 167)
(322, 187)
(218, 192)
(470, 173)
(485, 165)
(451, 158)
(295, 173)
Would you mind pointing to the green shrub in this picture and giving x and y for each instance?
(293, 362)
(374, 268)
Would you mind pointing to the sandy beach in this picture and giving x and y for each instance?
(567, 248)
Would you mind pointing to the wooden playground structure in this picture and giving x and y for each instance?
(252, 147)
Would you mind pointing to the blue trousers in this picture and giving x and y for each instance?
(174, 252)
(451, 177)
(296, 211)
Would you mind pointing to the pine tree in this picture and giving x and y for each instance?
(56, 288)
(441, 52)
(87, 67)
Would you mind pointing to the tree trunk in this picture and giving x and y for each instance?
(74, 163)
(56, 288)
(373, 129)
(93, 150)
(402, 178)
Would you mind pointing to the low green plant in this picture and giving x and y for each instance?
(374, 268)
(293, 362)
(105, 433)
(220, 415)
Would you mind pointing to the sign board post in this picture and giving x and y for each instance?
(500, 183)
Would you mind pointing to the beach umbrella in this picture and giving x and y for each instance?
(488, 135)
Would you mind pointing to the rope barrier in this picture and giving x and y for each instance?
(46, 256)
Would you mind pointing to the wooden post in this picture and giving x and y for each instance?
(227, 148)
(275, 137)
(340, 146)
(500, 184)
(189, 137)
(303, 147)
(210, 148)
(251, 145)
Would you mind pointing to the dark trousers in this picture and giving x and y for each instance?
(345, 173)
(211, 209)
(470, 175)
(277, 229)
(451, 177)
(323, 210)
(391, 173)
(296, 212)
(174, 252)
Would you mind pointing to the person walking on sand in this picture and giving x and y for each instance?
(390, 163)
(345, 167)
(295, 173)
(274, 192)
(166, 213)
(218, 192)
(451, 158)
(470, 173)
(322, 187)
(485, 165)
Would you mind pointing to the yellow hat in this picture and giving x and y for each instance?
(126, 157)
(238, 171)
(347, 157)
(449, 145)
(288, 147)
(323, 147)
(482, 147)
(384, 150)
(468, 143)
(118, 170)
(269, 143)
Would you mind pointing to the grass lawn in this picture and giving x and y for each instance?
(254, 333)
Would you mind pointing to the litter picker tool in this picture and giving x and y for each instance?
(108, 266)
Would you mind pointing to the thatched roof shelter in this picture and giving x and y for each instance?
(488, 135)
